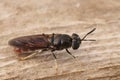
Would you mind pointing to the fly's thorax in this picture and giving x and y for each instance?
(61, 41)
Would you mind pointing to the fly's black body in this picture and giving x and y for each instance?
(45, 42)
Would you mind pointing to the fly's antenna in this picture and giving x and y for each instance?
(83, 39)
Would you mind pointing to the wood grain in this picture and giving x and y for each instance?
(99, 60)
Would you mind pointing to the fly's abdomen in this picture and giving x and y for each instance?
(30, 42)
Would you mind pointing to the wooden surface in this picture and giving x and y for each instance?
(98, 60)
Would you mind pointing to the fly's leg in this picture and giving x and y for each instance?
(56, 66)
(29, 56)
(53, 54)
(70, 53)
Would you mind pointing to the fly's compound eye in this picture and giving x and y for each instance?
(76, 41)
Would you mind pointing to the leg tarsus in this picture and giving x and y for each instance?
(70, 53)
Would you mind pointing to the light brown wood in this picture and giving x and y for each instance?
(99, 60)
